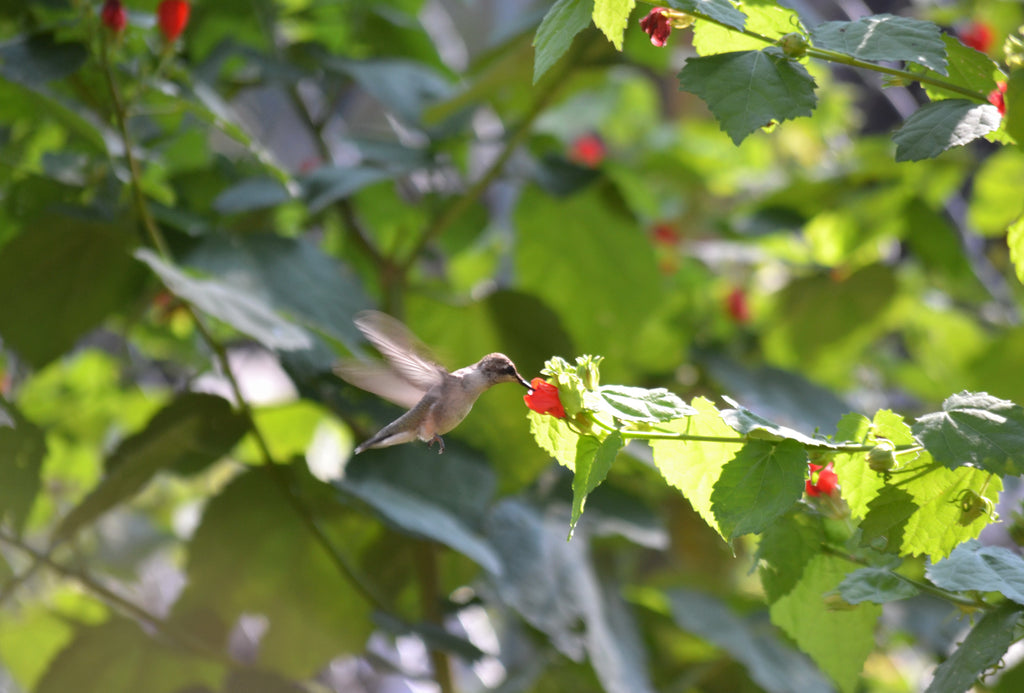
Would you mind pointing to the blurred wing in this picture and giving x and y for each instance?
(406, 354)
(377, 378)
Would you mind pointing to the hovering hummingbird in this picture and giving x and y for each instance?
(437, 400)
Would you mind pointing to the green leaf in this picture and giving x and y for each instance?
(240, 309)
(875, 584)
(859, 483)
(191, 432)
(637, 403)
(817, 630)
(995, 198)
(592, 465)
(937, 126)
(313, 612)
(978, 429)
(784, 550)
(33, 60)
(772, 664)
(554, 437)
(758, 485)
(328, 184)
(405, 87)
(564, 20)
(250, 195)
(980, 652)
(693, 467)
(887, 516)
(720, 10)
(611, 17)
(974, 567)
(1014, 100)
(256, 681)
(748, 90)
(116, 656)
(748, 423)
(1015, 241)
(22, 450)
(59, 280)
(967, 68)
(765, 17)
(885, 37)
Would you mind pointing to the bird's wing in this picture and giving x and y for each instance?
(376, 377)
(406, 354)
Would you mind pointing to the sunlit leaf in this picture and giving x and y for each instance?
(638, 404)
(937, 126)
(978, 429)
(885, 37)
(611, 16)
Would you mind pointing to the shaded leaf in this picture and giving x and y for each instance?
(22, 449)
(33, 60)
(770, 662)
(747, 90)
(784, 550)
(251, 194)
(980, 651)
(875, 584)
(885, 37)
(563, 21)
(978, 429)
(328, 184)
(973, 567)
(937, 126)
(967, 68)
(191, 432)
(638, 404)
(748, 423)
(592, 464)
(758, 485)
(720, 10)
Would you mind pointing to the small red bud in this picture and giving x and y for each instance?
(114, 16)
(172, 17)
(737, 306)
(977, 35)
(588, 150)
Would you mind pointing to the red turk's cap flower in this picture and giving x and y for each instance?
(113, 16)
(737, 306)
(823, 481)
(544, 399)
(172, 16)
(665, 234)
(588, 150)
(657, 26)
(997, 97)
(977, 35)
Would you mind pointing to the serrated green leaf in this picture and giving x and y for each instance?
(564, 20)
(937, 126)
(886, 518)
(611, 17)
(191, 432)
(236, 307)
(250, 195)
(747, 90)
(978, 429)
(593, 461)
(765, 17)
(22, 449)
(638, 404)
(784, 550)
(691, 466)
(995, 193)
(967, 68)
(818, 630)
(1015, 241)
(1013, 120)
(772, 664)
(555, 437)
(974, 567)
(720, 10)
(875, 584)
(885, 37)
(753, 425)
(758, 485)
(980, 651)
(859, 483)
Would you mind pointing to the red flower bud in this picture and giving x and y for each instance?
(544, 399)
(977, 35)
(657, 26)
(172, 16)
(588, 150)
(114, 16)
(665, 234)
(997, 97)
(737, 306)
(823, 481)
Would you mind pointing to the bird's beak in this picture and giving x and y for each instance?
(522, 381)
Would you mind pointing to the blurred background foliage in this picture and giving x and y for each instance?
(234, 197)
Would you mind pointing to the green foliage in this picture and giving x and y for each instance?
(765, 458)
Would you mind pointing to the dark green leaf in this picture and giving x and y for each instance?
(784, 550)
(592, 465)
(33, 60)
(720, 10)
(252, 194)
(564, 20)
(191, 432)
(887, 517)
(747, 90)
(328, 184)
(968, 68)
(875, 584)
(60, 279)
(937, 126)
(235, 306)
(972, 566)
(885, 37)
(758, 485)
(638, 404)
(980, 651)
(771, 663)
(978, 429)
(256, 681)
(1014, 101)
(402, 86)
(750, 424)
(22, 449)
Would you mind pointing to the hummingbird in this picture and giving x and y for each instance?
(437, 400)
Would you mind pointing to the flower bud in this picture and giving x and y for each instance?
(793, 45)
(882, 457)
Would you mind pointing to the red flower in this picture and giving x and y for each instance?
(665, 234)
(823, 481)
(588, 150)
(737, 306)
(543, 399)
(657, 26)
(113, 16)
(997, 97)
(172, 16)
(977, 35)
